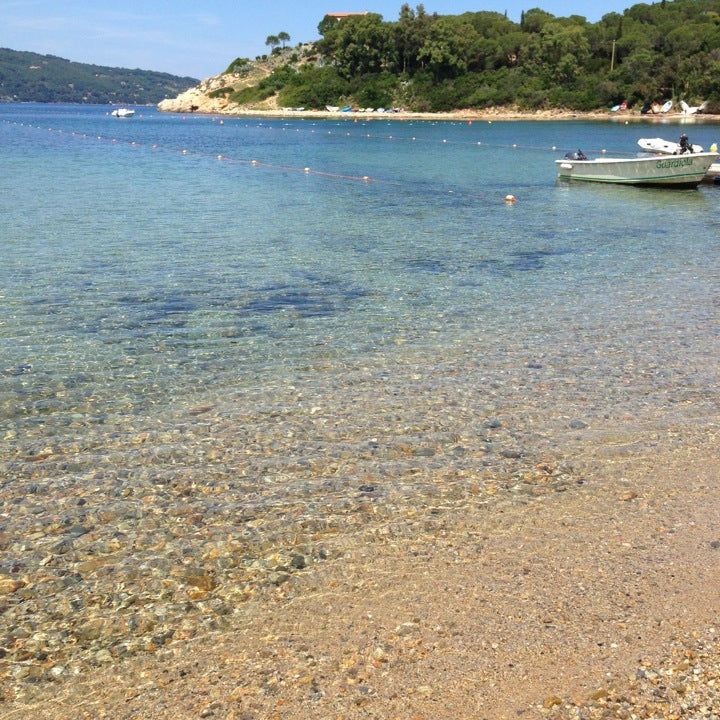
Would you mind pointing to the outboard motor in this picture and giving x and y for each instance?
(578, 155)
(685, 146)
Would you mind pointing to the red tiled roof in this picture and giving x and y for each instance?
(340, 15)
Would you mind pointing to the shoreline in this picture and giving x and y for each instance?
(462, 115)
(458, 619)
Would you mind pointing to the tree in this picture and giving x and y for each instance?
(362, 44)
(272, 41)
(283, 37)
(451, 43)
(559, 52)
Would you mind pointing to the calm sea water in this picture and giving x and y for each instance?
(138, 281)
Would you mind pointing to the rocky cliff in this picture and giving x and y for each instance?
(214, 94)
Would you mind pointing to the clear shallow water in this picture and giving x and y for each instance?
(137, 281)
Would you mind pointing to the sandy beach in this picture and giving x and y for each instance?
(490, 114)
(527, 607)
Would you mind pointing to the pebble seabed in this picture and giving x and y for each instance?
(132, 539)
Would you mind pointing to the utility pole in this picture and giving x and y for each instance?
(612, 59)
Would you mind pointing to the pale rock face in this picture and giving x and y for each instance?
(197, 98)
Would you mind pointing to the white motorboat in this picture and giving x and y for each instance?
(663, 147)
(122, 113)
(332, 108)
(680, 171)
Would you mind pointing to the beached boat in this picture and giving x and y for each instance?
(681, 171)
(122, 113)
(332, 108)
(663, 147)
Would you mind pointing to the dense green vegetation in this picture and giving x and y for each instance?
(423, 62)
(29, 77)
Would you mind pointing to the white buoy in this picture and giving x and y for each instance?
(253, 162)
(603, 150)
(307, 171)
(554, 147)
(366, 178)
(184, 152)
(510, 199)
(220, 157)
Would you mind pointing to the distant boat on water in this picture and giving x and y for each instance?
(122, 113)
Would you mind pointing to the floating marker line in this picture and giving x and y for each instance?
(254, 163)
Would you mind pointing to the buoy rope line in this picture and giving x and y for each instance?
(253, 163)
(434, 141)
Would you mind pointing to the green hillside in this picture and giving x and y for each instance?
(430, 62)
(29, 77)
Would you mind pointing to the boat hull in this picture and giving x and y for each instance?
(683, 171)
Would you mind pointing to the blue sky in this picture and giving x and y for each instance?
(200, 37)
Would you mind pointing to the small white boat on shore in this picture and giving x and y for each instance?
(122, 113)
(663, 147)
(680, 171)
(332, 108)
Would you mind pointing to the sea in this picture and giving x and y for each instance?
(261, 295)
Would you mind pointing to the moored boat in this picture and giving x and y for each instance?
(681, 171)
(122, 113)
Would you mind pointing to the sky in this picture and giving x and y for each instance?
(200, 38)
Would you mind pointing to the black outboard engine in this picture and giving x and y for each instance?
(579, 155)
(685, 146)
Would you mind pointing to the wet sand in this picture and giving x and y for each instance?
(513, 608)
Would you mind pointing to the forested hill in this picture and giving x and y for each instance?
(29, 77)
(429, 62)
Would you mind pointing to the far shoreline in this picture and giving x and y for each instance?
(489, 115)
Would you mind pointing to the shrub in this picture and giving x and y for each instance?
(314, 88)
(220, 92)
(377, 91)
(237, 65)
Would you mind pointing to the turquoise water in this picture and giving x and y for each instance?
(138, 281)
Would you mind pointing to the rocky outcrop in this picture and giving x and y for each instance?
(212, 94)
(198, 98)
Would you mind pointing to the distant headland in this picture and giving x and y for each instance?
(479, 64)
(30, 77)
